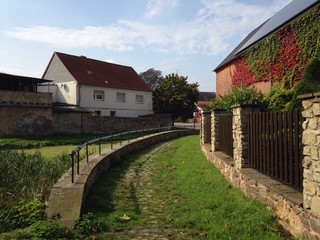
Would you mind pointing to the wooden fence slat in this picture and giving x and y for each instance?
(296, 150)
(280, 124)
(275, 147)
(225, 134)
(285, 147)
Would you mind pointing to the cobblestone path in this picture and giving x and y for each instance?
(135, 192)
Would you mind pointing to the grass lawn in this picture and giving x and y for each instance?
(55, 146)
(171, 191)
(51, 152)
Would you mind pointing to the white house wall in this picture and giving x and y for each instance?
(57, 72)
(67, 93)
(128, 109)
(48, 88)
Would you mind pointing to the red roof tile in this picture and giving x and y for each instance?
(97, 73)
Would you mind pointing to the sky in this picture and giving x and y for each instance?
(188, 37)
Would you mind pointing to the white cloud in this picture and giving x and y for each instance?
(210, 32)
(158, 7)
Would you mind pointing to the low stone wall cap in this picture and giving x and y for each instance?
(309, 95)
(245, 105)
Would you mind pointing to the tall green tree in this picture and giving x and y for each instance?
(152, 77)
(176, 96)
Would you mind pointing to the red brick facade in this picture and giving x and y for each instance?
(224, 81)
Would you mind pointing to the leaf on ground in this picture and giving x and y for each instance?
(125, 218)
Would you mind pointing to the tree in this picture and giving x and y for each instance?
(176, 96)
(152, 78)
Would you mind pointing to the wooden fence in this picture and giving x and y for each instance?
(225, 134)
(275, 147)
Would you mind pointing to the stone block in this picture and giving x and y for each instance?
(314, 153)
(316, 177)
(315, 225)
(308, 137)
(306, 104)
(309, 187)
(307, 163)
(307, 150)
(313, 123)
(316, 109)
(307, 113)
(305, 124)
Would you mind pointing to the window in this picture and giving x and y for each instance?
(121, 97)
(98, 95)
(112, 113)
(97, 113)
(139, 99)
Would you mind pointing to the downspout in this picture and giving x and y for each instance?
(79, 95)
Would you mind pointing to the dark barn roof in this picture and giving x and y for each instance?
(277, 21)
(93, 72)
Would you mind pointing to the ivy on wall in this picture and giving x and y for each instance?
(307, 34)
(282, 56)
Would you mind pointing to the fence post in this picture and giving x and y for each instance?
(215, 129)
(240, 133)
(206, 128)
(99, 146)
(311, 152)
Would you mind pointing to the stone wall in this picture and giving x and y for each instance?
(25, 114)
(240, 133)
(112, 125)
(311, 152)
(67, 123)
(298, 212)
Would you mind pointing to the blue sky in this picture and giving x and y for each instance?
(188, 37)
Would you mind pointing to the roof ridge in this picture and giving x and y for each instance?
(93, 59)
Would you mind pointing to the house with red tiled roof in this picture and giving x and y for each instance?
(104, 88)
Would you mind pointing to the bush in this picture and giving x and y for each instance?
(279, 98)
(27, 213)
(245, 95)
(310, 83)
(41, 230)
(89, 224)
(26, 180)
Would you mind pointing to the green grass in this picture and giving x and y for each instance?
(54, 146)
(175, 188)
(39, 142)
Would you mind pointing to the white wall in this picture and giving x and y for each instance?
(68, 91)
(128, 109)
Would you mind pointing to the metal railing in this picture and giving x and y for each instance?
(75, 153)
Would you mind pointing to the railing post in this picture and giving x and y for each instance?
(72, 166)
(78, 162)
(99, 146)
(240, 133)
(87, 153)
(112, 141)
